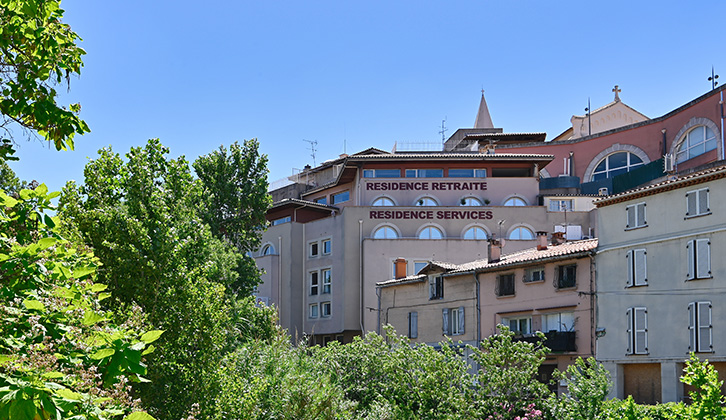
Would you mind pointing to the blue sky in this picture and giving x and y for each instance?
(354, 74)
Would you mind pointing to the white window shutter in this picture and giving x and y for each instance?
(703, 258)
(630, 217)
(445, 324)
(691, 201)
(629, 315)
(691, 250)
(413, 324)
(641, 214)
(703, 206)
(705, 341)
(641, 269)
(641, 330)
(461, 320)
(692, 326)
(631, 269)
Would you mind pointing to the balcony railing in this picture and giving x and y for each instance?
(556, 341)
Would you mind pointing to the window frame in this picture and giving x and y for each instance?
(321, 200)
(426, 201)
(313, 249)
(528, 274)
(313, 307)
(607, 171)
(475, 228)
(559, 328)
(637, 261)
(381, 173)
(447, 323)
(697, 203)
(498, 290)
(327, 282)
(333, 197)
(637, 331)
(382, 199)
(684, 155)
(385, 228)
(475, 173)
(268, 249)
(436, 287)
(326, 243)
(413, 324)
(562, 277)
(323, 306)
(281, 220)
(697, 326)
(521, 228)
(634, 212)
(507, 321)
(430, 228)
(314, 283)
(422, 173)
(698, 250)
(568, 205)
(513, 199)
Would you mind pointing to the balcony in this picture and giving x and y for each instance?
(556, 341)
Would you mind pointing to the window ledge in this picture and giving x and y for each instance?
(565, 289)
(636, 227)
(700, 278)
(636, 286)
(696, 215)
(533, 281)
(505, 296)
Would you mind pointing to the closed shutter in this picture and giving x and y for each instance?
(690, 251)
(640, 267)
(703, 206)
(705, 341)
(413, 325)
(703, 258)
(629, 315)
(630, 216)
(461, 320)
(692, 329)
(640, 327)
(631, 268)
(445, 323)
(641, 214)
(691, 203)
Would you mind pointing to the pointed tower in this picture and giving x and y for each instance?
(483, 119)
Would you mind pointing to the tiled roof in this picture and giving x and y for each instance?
(296, 201)
(458, 155)
(404, 280)
(672, 184)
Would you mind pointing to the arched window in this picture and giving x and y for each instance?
(521, 233)
(268, 250)
(426, 202)
(383, 202)
(430, 232)
(696, 142)
(616, 164)
(515, 201)
(470, 201)
(475, 233)
(385, 232)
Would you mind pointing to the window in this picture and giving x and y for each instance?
(697, 203)
(418, 266)
(325, 309)
(340, 197)
(453, 321)
(326, 280)
(535, 274)
(515, 202)
(313, 283)
(637, 268)
(566, 276)
(313, 313)
(426, 202)
(699, 259)
(470, 202)
(327, 246)
(430, 232)
(696, 142)
(699, 327)
(637, 331)
(436, 287)
(321, 200)
(521, 233)
(314, 249)
(467, 173)
(413, 325)
(424, 173)
(560, 205)
(268, 250)
(562, 321)
(381, 173)
(505, 285)
(281, 220)
(519, 325)
(475, 233)
(616, 164)
(383, 202)
(385, 232)
(635, 216)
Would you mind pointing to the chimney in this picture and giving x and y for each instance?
(494, 250)
(400, 265)
(558, 238)
(541, 241)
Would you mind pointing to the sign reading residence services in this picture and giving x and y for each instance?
(431, 214)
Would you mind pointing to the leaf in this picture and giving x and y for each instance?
(91, 317)
(148, 350)
(139, 415)
(22, 410)
(102, 296)
(67, 394)
(53, 375)
(102, 354)
(7, 201)
(33, 304)
(49, 221)
(41, 190)
(47, 242)
(81, 272)
(97, 287)
(151, 336)
(138, 346)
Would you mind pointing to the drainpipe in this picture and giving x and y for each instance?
(305, 278)
(665, 146)
(279, 274)
(360, 275)
(723, 151)
(593, 307)
(478, 310)
(378, 326)
(572, 163)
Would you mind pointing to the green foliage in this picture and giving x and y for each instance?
(143, 218)
(37, 52)
(61, 355)
(588, 383)
(707, 400)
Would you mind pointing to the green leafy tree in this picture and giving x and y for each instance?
(142, 217)
(61, 355)
(707, 400)
(588, 383)
(37, 52)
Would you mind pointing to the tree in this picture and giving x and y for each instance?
(37, 52)
(142, 218)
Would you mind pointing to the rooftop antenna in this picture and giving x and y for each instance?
(712, 79)
(313, 149)
(443, 131)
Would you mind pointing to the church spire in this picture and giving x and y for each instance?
(483, 119)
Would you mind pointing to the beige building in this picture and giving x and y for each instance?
(660, 283)
(548, 288)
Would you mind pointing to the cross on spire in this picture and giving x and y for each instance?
(616, 90)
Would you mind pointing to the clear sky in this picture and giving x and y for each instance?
(359, 74)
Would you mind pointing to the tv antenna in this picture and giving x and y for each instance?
(443, 131)
(713, 78)
(313, 149)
